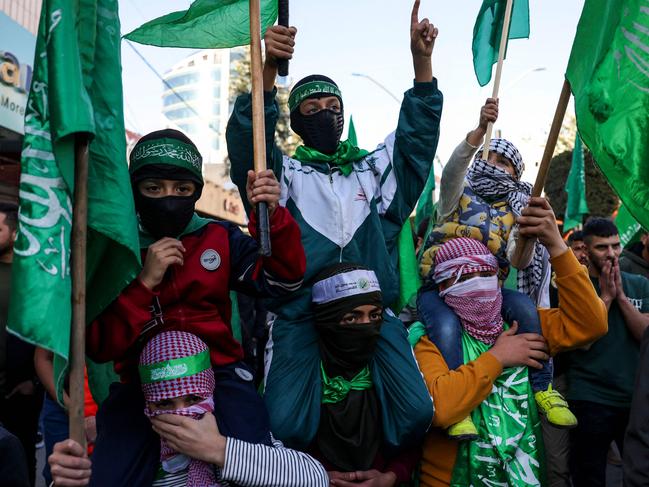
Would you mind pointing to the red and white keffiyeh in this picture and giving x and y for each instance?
(476, 301)
(175, 364)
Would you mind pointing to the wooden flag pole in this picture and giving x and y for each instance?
(499, 70)
(522, 246)
(258, 123)
(553, 136)
(78, 266)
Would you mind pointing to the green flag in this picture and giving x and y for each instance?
(351, 132)
(576, 206)
(76, 89)
(609, 76)
(208, 24)
(488, 29)
(425, 203)
(628, 227)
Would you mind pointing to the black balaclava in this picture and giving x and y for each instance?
(322, 130)
(350, 432)
(170, 215)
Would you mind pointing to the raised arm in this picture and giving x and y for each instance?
(403, 163)
(452, 182)
(581, 317)
(279, 42)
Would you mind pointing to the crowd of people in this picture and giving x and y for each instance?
(521, 364)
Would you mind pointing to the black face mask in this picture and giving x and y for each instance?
(165, 217)
(346, 349)
(321, 131)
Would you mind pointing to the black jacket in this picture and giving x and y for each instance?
(636, 441)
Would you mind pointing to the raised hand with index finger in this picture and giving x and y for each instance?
(422, 40)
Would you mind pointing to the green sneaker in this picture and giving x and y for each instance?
(463, 430)
(555, 408)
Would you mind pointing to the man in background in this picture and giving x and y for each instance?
(20, 395)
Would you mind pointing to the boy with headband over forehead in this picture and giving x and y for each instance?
(482, 200)
(178, 385)
(348, 313)
(351, 205)
(190, 266)
(492, 384)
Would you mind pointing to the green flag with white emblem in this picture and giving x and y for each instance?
(609, 76)
(76, 89)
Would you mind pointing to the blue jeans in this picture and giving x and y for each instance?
(55, 429)
(444, 329)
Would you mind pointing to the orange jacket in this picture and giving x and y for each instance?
(580, 319)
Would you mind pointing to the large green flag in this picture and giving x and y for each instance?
(609, 76)
(208, 24)
(488, 30)
(576, 206)
(628, 227)
(76, 89)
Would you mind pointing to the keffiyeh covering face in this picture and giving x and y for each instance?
(175, 364)
(494, 184)
(476, 301)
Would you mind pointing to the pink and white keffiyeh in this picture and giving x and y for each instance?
(476, 301)
(175, 364)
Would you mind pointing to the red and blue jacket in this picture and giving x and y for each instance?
(195, 298)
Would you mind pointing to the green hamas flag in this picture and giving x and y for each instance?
(488, 29)
(208, 24)
(627, 226)
(76, 89)
(609, 76)
(576, 206)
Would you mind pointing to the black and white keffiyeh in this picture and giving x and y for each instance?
(494, 184)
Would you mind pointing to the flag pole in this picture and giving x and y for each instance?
(499, 70)
(544, 166)
(282, 19)
(258, 123)
(78, 269)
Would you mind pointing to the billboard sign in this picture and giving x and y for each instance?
(17, 46)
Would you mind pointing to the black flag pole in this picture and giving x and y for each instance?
(258, 122)
(282, 19)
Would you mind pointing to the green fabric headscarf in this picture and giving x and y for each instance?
(169, 151)
(344, 157)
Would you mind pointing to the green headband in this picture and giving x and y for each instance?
(167, 151)
(175, 368)
(301, 93)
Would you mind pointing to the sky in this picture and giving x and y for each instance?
(371, 37)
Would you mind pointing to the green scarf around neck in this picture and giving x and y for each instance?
(510, 450)
(336, 389)
(344, 157)
(196, 223)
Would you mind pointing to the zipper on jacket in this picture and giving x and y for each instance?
(340, 214)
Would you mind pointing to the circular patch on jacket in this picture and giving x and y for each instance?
(210, 259)
(243, 373)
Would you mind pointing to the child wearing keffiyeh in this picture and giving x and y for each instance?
(177, 378)
(482, 201)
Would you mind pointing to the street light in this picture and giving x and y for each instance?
(523, 74)
(363, 75)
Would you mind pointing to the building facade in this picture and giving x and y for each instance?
(196, 100)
